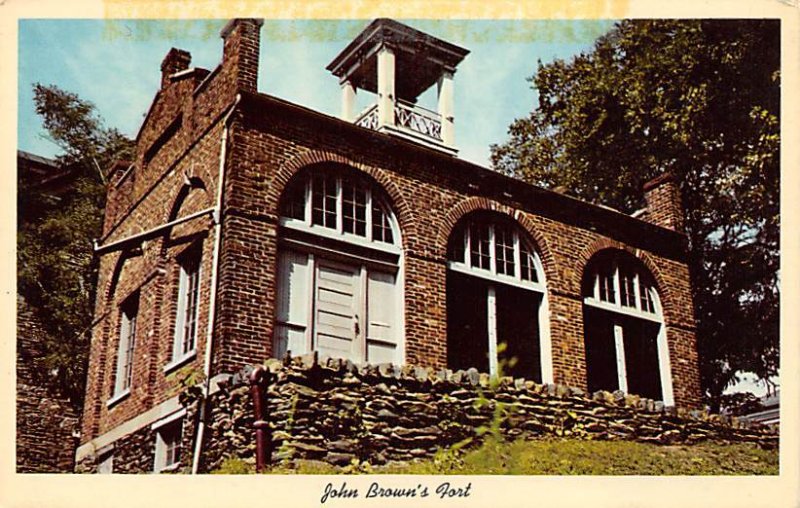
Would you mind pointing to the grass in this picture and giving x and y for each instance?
(570, 457)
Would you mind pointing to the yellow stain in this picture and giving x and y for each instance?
(366, 9)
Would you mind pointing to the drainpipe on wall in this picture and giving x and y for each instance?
(256, 377)
(212, 303)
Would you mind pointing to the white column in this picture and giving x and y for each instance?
(446, 106)
(622, 375)
(491, 308)
(664, 367)
(385, 87)
(348, 101)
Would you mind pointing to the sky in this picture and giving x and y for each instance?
(116, 66)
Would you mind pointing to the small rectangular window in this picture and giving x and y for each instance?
(168, 445)
(188, 303)
(127, 344)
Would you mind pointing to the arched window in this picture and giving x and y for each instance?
(338, 289)
(496, 295)
(624, 330)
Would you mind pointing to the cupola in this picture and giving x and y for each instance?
(398, 63)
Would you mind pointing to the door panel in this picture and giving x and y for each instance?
(641, 357)
(467, 333)
(292, 304)
(518, 329)
(336, 305)
(382, 318)
(601, 355)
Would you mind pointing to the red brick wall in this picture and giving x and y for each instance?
(269, 141)
(45, 418)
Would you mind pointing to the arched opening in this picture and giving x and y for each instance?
(497, 315)
(339, 269)
(623, 325)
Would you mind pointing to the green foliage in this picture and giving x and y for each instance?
(699, 99)
(491, 433)
(580, 457)
(56, 270)
(235, 465)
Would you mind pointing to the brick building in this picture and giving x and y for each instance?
(249, 227)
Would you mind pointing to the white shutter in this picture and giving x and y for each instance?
(382, 318)
(292, 304)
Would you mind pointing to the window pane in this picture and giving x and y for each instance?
(527, 264)
(354, 206)
(627, 290)
(381, 227)
(606, 281)
(127, 343)
(646, 298)
(479, 246)
(504, 250)
(323, 201)
(294, 201)
(171, 436)
(191, 274)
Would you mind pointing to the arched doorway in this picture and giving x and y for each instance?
(496, 300)
(624, 332)
(339, 289)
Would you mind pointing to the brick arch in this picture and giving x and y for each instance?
(664, 292)
(474, 204)
(195, 184)
(406, 218)
(110, 290)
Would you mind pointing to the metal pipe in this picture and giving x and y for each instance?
(260, 424)
(102, 249)
(212, 303)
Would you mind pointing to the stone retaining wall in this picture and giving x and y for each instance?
(336, 412)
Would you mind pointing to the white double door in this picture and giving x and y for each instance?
(341, 310)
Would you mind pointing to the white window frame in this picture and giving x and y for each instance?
(656, 316)
(126, 350)
(491, 275)
(190, 257)
(161, 427)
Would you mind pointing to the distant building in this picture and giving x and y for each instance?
(770, 413)
(249, 227)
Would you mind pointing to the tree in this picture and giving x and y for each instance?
(56, 269)
(699, 99)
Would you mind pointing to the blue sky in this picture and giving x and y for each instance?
(115, 65)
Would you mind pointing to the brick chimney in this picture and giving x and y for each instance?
(176, 60)
(240, 53)
(664, 202)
